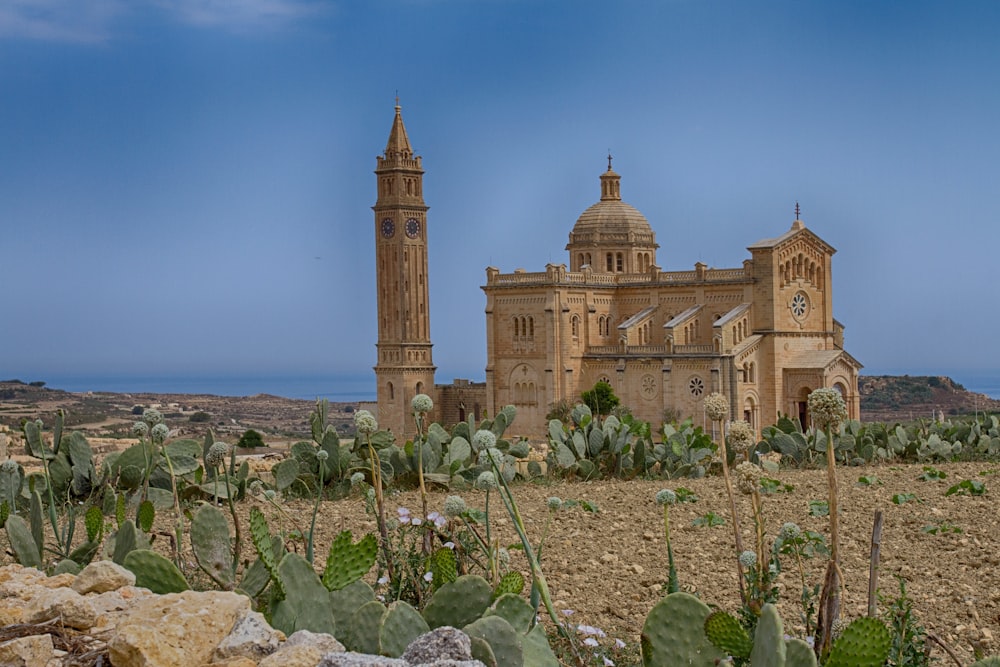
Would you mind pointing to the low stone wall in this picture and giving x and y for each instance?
(99, 617)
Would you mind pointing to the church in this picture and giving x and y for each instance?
(762, 334)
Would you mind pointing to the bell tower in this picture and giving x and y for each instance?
(405, 366)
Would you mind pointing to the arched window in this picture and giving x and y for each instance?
(531, 326)
(611, 266)
(575, 325)
(419, 388)
(391, 390)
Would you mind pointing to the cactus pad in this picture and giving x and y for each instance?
(726, 633)
(146, 515)
(362, 632)
(537, 651)
(502, 638)
(459, 603)
(482, 652)
(768, 640)
(260, 534)
(211, 545)
(307, 604)
(800, 654)
(673, 634)
(346, 601)
(154, 572)
(125, 541)
(511, 582)
(864, 643)
(443, 566)
(21, 541)
(348, 561)
(514, 610)
(401, 624)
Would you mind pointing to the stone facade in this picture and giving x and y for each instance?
(762, 334)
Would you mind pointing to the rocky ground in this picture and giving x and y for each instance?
(609, 567)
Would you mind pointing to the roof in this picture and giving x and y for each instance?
(398, 141)
(798, 227)
(638, 317)
(732, 314)
(681, 317)
(819, 359)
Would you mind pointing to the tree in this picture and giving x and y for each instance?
(251, 439)
(601, 399)
(200, 416)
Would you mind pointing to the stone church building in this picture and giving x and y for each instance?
(762, 334)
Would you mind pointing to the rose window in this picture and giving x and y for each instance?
(696, 386)
(799, 305)
(648, 386)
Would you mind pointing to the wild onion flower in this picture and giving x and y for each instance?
(827, 408)
(152, 416)
(322, 455)
(9, 466)
(748, 559)
(160, 432)
(256, 487)
(484, 439)
(748, 477)
(486, 481)
(270, 494)
(357, 478)
(503, 556)
(422, 404)
(365, 422)
(454, 506)
(492, 454)
(216, 454)
(741, 436)
(666, 497)
(554, 503)
(789, 531)
(716, 406)
(140, 429)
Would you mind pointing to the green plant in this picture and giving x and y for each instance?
(908, 635)
(903, 498)
(967, 486)
(869, 480)
(250, 439)
(931, 474)
(601, 398)
(819, 508)
(708, 520)
(942, 527)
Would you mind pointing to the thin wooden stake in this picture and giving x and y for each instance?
(873, 564)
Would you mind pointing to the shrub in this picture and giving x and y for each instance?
(200, 417)
(250, 439)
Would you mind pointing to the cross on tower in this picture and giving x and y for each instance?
(609, 159)
(796, 210)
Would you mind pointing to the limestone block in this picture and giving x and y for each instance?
(33, 651)
(251, 637)
(302, 655)
(175, 629)
(320, 640)
(101, 577)
(65, 604)
(58, 581)
(439, 644)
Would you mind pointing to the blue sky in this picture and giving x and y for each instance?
(186, 185)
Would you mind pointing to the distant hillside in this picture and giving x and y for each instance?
(903, 397)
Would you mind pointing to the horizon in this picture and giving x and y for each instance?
(189, 187)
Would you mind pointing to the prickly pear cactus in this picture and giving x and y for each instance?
(125, 542)
(459, 603)
(992, 661)
(348, 561)
(482, 652)
(673, 634)
(362, 633)
(154, 572)
(502, 638)
(511, 582)
(346, 601)
(94, 523)
(260, 535)
(21, 541)
(537, 651)
(768, 640)
(443, 567)
(147, 513)
(514, 610)
(863, 643)
(800, 654)
(307, 604)
(726, 633)
(210, 542)
(401, 624)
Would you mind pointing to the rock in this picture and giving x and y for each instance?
(101, 577)
(175, 629)
(33, 651)
(444, 643)
(251, 637)
(233, 662)
(302, 655)
(321, 641)
(359, 660)
(65, 604)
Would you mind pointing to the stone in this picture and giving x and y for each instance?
(175, 629)
(251, 637)
(65, 604)
(233, 662)
(101, 577)
(33, 651)
(58, 580)
(302, 655)
(352, 659)
(321, 641)
(441, 643)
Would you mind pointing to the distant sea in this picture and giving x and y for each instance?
(342, 389)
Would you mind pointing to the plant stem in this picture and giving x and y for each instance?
(383, 531)
(736, 520)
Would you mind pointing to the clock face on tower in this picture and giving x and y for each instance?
(388, 228)
(413, 228)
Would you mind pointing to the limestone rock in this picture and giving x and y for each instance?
(302, 655)
(251, 637)
(323, 642)
(233, 662)
(444, 643)
(359, 660)
(33, 651)
(66, 604)
(175, 629)
(101, 577)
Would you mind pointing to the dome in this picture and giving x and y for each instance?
(612, 215)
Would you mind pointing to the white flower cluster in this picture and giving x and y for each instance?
(483, 439)
(827, 408)
(748, 477)
(365, 423)
(716, 406)
(140, 429)
(666, 497)
(217, 454)
(748, 559)
(160, 432)
(554, 503)
(789, 531)
(454, 506)
(152, 416)
(742, 436)
(422, 404)
(9, 466)
(486, 481)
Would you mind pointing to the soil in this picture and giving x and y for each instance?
(610, 567)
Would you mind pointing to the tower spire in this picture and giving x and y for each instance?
(399, 143)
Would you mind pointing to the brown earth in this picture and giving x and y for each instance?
(610, 567)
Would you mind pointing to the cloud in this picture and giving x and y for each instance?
(94, 21)
(82, 21)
